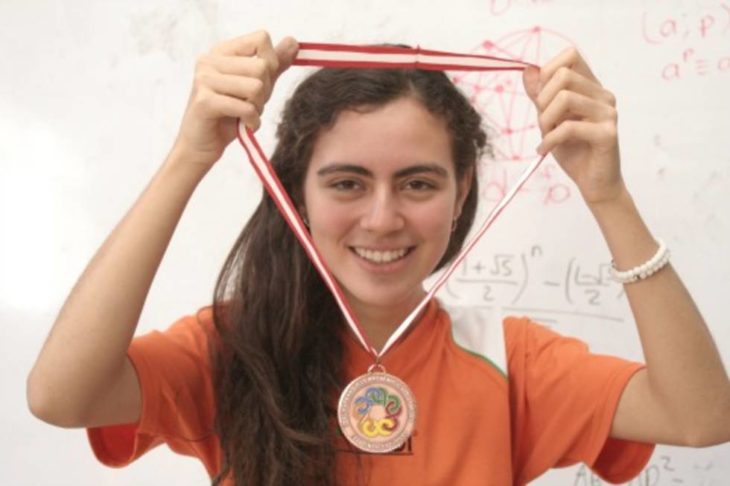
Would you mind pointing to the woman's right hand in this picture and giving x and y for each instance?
(234, 80)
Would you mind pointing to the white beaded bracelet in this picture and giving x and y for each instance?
(646, 269)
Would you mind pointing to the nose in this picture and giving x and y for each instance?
(382, 213)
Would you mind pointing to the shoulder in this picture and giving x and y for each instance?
(523, 333)
(479, 331)
(509, 342)
(189, 338)
(199, 326)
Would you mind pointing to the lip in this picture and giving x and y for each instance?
(383, 268)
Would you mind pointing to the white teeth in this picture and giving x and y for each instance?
(381, 256)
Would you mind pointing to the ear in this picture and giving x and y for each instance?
(463, 187)
(302, 210)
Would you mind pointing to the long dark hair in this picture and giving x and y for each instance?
(277, 368)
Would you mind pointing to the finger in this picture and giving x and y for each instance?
(572, 131)
(237, 65)
(569, 58)
(259, 44)
(252, 90)
(254, 44)
(568, 105)
(567, 79)
(531, 81)
(265, 50)
(242, 67)
(218, 106)
(244, 45)
(286, 51)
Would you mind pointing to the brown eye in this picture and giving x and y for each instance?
(419, 185)
(345, 185)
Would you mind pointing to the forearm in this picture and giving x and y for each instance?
(88, 342)
(683, 364)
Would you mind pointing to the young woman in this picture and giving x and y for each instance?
(381, 166)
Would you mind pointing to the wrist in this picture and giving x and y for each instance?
(619, 201)
(627, 236)
(183, 163)
(644, 270)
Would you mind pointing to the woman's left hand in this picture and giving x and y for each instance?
(578, 120)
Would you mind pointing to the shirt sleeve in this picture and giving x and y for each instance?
(564, 399)
(177, 397)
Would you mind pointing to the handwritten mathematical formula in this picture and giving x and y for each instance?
(516, 280)
(662, 470)
(693, 33)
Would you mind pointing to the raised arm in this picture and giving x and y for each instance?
(683, 395)
(82, 376)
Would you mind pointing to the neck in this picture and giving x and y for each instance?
(379, 323)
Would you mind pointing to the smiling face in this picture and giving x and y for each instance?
(381, 196)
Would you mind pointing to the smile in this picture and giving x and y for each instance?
(378, 256)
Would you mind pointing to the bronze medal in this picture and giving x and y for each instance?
(377, 411)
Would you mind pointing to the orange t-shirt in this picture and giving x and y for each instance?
(499, 403)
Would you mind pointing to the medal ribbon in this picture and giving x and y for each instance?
(386, 57)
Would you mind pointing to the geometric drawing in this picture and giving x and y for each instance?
(510, 115)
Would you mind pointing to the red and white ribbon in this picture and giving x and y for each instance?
(346, 56)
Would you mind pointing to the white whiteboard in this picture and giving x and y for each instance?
(91, 95)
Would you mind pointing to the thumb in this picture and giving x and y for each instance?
(531, 80)
(286, 51)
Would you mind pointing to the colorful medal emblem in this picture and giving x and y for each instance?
(377, 411)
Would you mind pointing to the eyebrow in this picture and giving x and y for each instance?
(360, 170)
